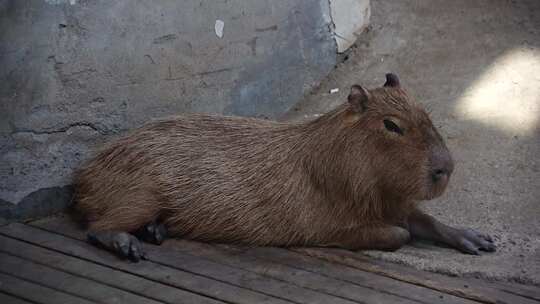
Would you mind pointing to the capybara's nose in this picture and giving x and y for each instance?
(442, 164)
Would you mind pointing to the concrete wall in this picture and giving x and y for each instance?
(74, 73)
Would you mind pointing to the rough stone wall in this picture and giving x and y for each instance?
(74, 73)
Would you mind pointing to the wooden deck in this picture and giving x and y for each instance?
(48, 261)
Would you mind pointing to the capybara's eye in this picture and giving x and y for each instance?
(392, 127)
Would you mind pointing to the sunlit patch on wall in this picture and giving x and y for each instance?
(507, 94)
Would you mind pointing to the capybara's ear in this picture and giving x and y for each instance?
(391, 80)
(358, 98)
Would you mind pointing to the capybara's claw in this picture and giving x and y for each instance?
(472, 242)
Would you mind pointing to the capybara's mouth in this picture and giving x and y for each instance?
(436, 188)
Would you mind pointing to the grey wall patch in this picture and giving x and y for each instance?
(57, 2)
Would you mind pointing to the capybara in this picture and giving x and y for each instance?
(350, 178)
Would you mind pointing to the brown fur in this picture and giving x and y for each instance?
(233, 179)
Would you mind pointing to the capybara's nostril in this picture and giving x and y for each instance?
(438, 174)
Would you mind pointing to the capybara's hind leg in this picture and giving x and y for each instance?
(123, 244)
(153, 232)
(113, 230)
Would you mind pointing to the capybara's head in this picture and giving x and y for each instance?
(396, 142)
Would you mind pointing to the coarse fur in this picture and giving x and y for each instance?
(260, 182)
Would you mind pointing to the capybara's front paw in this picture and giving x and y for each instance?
(472, 242)
(128, 246)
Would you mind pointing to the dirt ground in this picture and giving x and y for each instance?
(476, 66)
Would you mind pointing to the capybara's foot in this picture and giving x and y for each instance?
(123, 244)
(471, 241)
(153, 232)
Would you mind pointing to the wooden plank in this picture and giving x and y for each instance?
(8, 299)
(290, 272)
(528, 291)
(154, 271)
(36, 293)
(110, 276)
(242, 278)
(340, 273)
(67, 283)
(3, 221)
(477, 290)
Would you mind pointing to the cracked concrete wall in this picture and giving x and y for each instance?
(75, 73)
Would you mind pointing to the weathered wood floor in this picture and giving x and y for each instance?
(48, 261)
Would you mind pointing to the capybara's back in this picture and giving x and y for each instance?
(206, 177)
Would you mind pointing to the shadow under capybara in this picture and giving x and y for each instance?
(351, 178)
